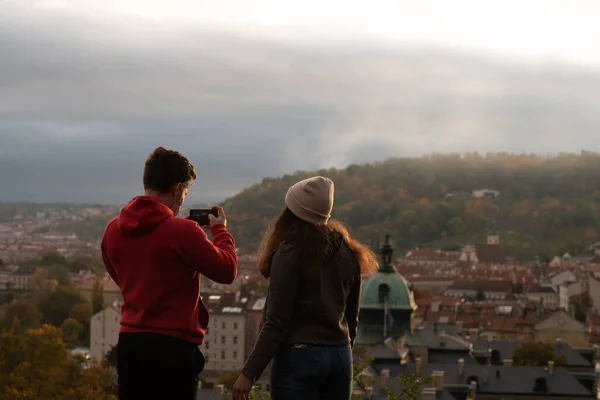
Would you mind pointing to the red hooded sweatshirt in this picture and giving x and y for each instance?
(157, 260)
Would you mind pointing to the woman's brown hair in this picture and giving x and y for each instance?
(314, 242)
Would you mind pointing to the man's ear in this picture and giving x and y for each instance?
(174, 190)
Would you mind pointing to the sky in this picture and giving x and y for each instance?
(248, 89)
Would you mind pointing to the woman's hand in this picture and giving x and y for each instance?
(242, 388)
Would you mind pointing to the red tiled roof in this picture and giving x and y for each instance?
(440, 317)
(444, 301)
(493, 253)
(485, 285)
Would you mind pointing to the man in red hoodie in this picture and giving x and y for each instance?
(157, 260)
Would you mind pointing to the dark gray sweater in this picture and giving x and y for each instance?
(308, 304)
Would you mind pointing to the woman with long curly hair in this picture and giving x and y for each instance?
(311, 315)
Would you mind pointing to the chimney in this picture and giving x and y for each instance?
(461, 366)
(428, 393)
(384, 376)
(508, 362)
(417, 363)
(550, 367)
(438, 377)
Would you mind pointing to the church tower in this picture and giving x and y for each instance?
(387, 303)
(493, 236)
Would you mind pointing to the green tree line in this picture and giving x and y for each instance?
(546, 205)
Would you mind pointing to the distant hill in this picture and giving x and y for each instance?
(545, 205)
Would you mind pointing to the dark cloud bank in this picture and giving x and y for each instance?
(83, 101)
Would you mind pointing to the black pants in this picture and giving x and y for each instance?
(152, 366)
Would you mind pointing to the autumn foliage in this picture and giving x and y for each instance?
(37, 365)
(537, 354)
(547, 205)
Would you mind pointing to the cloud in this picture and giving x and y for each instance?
(85, 98)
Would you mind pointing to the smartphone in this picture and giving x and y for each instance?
(200, 215)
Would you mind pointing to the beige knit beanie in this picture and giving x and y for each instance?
(311, 199)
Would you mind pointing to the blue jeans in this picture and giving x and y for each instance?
(311, 373)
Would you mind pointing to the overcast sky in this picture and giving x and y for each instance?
(248, 89)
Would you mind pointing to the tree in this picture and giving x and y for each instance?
(410, 386)
(480, 296)
(41, 283)
(71, 330)
(543, 201)
(59, 273)
(37, 365)
(111, 356)
(81, 312)
(456, 226)
(360, 379)
(26, 311)
(97, 296)
(537, 354)
(53, 259)
(57, 306)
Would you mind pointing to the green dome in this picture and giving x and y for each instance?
(399, 295)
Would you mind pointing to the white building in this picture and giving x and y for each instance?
(104, 331)
(544, 296)
(566, 291)
(224, 344)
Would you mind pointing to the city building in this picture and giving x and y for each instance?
(104, 331)
(224, 346)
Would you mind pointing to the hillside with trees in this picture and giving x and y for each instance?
(546, 205)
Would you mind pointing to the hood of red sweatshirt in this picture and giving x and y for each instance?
(141, 215)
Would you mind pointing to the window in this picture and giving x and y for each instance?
(207, 358)
(384, 293)
(222, 354)
(206, 331)
(235, 340)
(206, 345)
(223, 339)
(235, 325)
(223, 325)
(235, 355)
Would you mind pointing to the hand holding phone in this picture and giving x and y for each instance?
(200, 215)
(208, 217)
